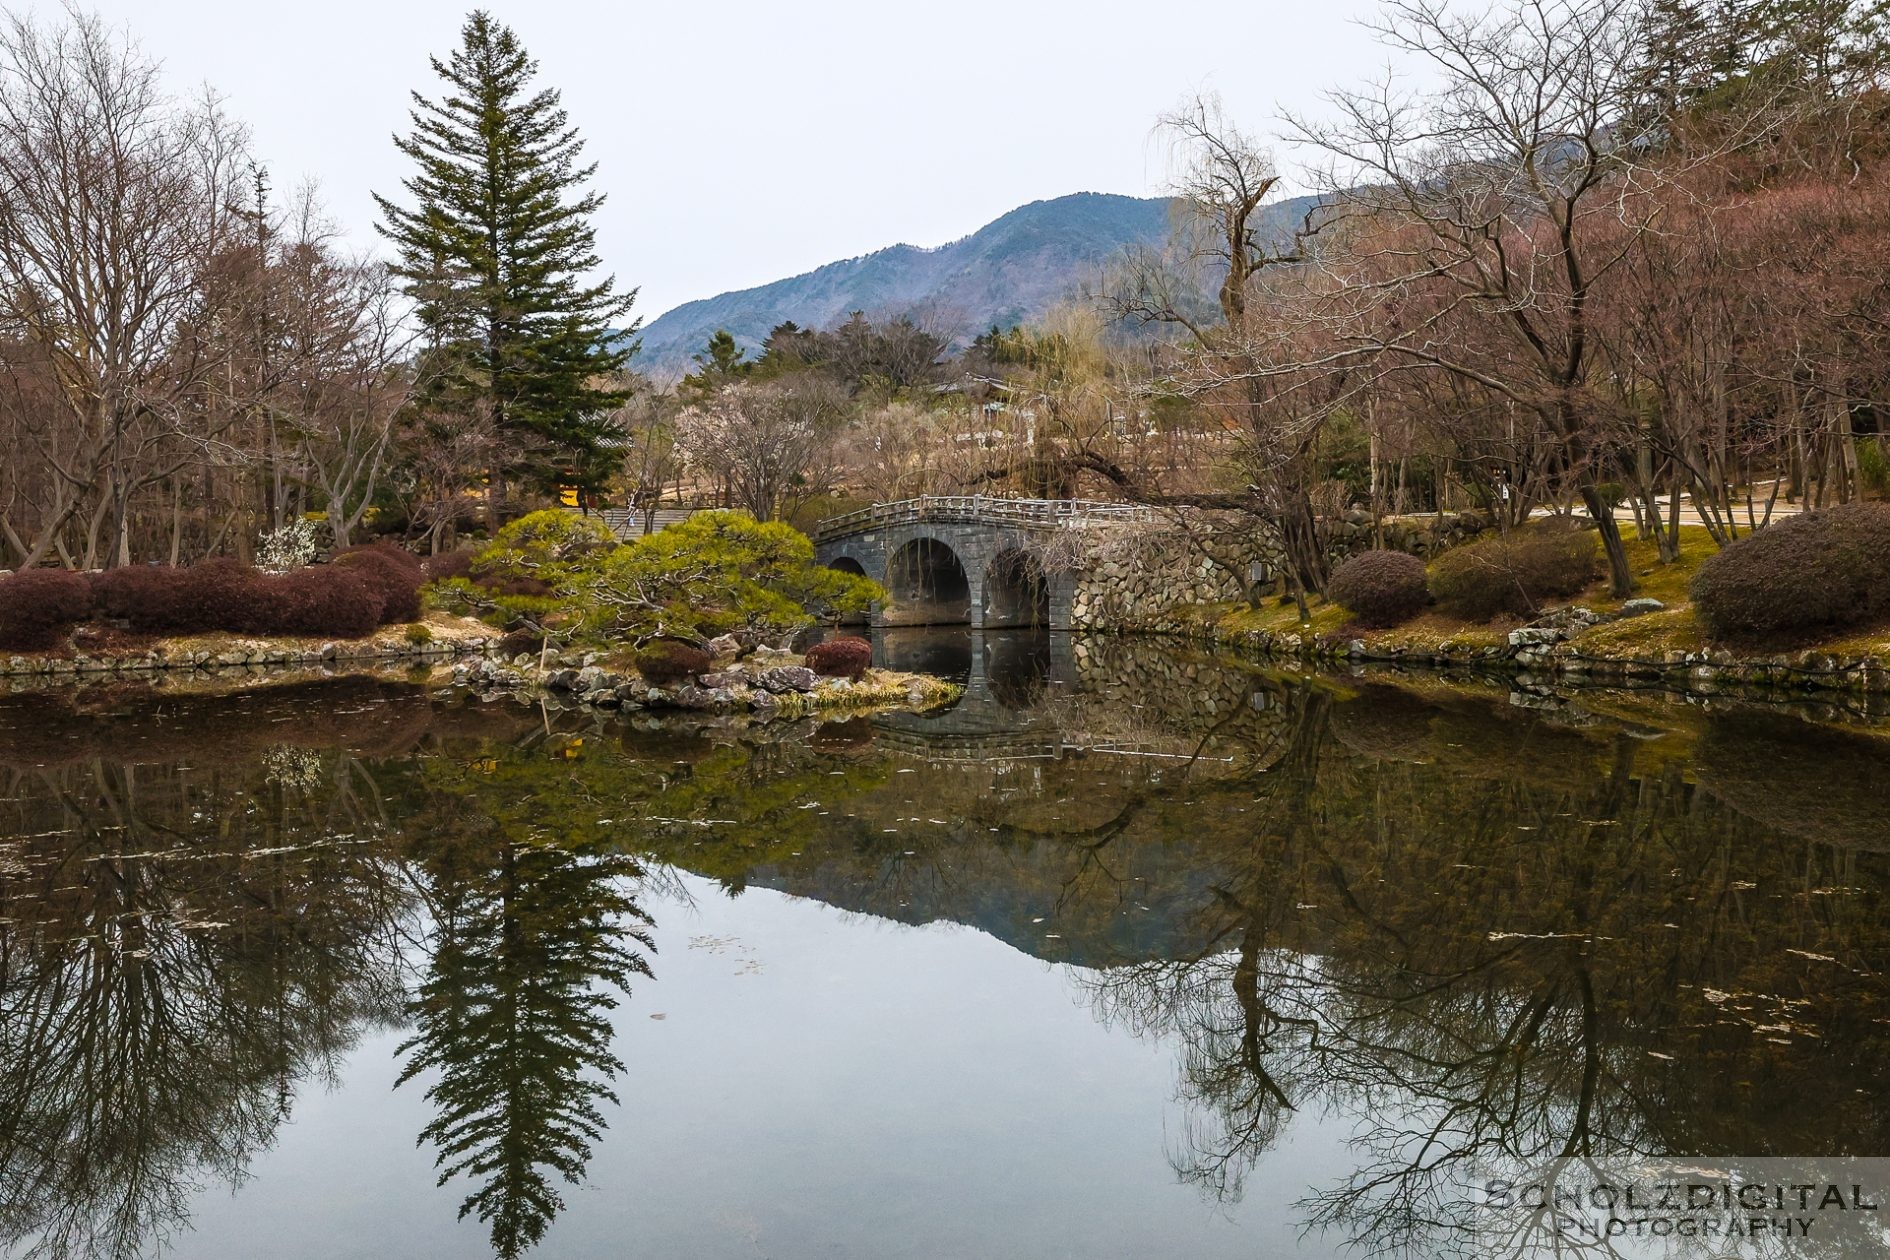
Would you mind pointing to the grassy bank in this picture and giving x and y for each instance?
(1670, 643)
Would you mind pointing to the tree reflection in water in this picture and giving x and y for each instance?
(530, 940)
(1480, 935)
(182, 945)
(1495, 942)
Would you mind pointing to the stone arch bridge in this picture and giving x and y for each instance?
(967, 559)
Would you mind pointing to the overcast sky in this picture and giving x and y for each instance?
(744, 141)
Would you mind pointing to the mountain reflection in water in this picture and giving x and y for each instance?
(1437, 928)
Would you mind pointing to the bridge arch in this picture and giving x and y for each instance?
(1016, 589)
(847, 564)
(928, 585)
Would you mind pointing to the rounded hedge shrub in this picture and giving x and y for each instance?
(1380, 588)
(156, 599)
(1514, 574)
(448, 565)
(1820, 571)
(223, 596)
(329, 602)
(38, 607)
(519, 642)
(392, 573)
(845, 657)
(1385, 724)
(667, 661)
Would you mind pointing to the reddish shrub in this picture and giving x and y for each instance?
(667, 661)
(1820, 571)
(521, 641)
(214, 595)
(39, 606)
(328, 602)
(845, 657)
(1380, 588)
(448, 565)
(1515, 573)
(393, 574)
(523, 587)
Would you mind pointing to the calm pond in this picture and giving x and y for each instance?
(1134, 952)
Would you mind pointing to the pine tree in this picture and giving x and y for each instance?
(721, 362)
(496, 250)
(1678, 51)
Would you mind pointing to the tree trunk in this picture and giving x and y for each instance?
(1620, 576)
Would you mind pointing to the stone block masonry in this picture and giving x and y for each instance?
(994, 564)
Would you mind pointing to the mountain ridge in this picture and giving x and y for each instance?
(1011, 270)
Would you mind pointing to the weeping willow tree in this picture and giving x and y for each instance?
(533, 945)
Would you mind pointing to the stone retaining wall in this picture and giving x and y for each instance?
(1145, 578)
(241, 656)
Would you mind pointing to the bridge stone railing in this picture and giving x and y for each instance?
(979, 509)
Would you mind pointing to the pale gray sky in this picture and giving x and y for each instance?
(744, 141)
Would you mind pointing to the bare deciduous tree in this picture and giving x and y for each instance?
(1509, 191)
(112, 201)
(769, 449)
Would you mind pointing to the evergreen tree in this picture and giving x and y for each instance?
(496, 250)
(1677, 59)
(788, 348)
(721, 362)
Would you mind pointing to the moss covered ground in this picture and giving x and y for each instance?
(1675, 629)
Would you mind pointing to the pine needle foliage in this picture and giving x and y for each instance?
(497, 250)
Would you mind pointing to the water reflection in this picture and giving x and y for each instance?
(531, 945)
(183, 944)
(1467, 933)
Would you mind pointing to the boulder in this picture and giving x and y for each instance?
(765, 658)
(784, 678)
(1641, 607)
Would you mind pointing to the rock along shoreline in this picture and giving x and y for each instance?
(1552, 652)
(764, 683)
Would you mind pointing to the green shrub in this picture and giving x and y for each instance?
(418, 633)
(1873, 466)
(1514, 574)
(667, 661)
(1380, 588)
(1817, 572)
(716, 573)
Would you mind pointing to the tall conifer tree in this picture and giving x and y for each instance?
(497, 251)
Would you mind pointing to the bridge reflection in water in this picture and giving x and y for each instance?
(1007, 678)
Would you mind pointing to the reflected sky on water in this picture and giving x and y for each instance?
(1134, 951)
